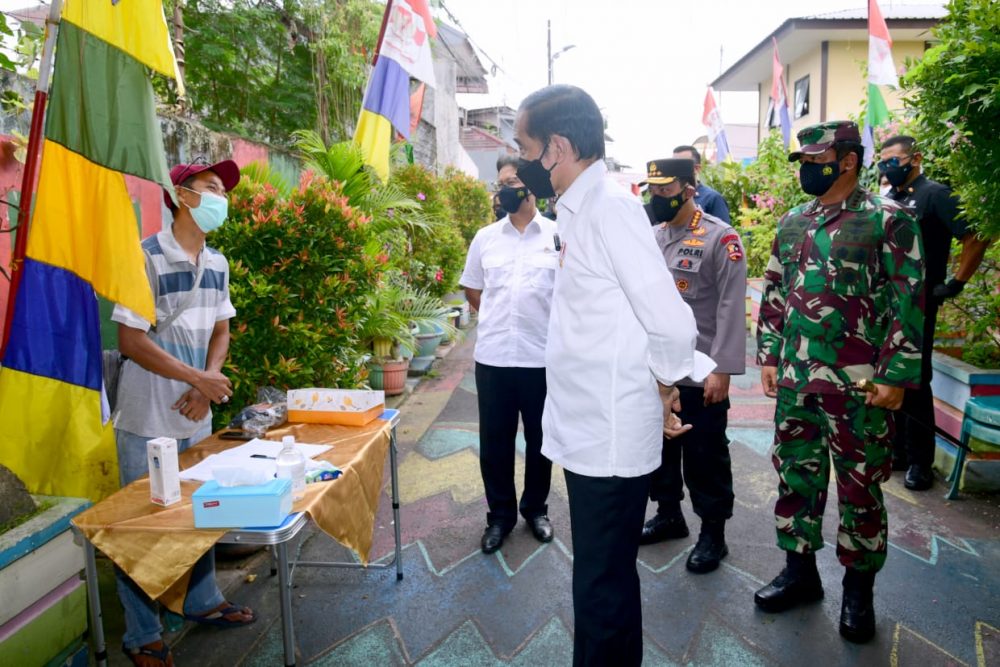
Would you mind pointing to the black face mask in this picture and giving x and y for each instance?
(898, 174)
(536, 177)
(512, 198)
(818, 177)
(665, 208)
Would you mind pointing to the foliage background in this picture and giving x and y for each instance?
(758, 195)
(299, 279)
(955, 103)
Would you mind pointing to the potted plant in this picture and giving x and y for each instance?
(389, 333)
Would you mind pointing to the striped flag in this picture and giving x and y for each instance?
(881, 71)
(84, 238)
(405, 51)
(716, 129)
(779, 94)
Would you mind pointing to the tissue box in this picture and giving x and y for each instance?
(164, 479)
(349, 407)
(257, 506)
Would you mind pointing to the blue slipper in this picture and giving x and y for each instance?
(218, 617)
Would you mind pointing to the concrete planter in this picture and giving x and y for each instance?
(954, 382)
(43, 616)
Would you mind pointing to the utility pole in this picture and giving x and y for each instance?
(553, 56)
(549, 32)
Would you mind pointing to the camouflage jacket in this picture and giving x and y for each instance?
(843, 296)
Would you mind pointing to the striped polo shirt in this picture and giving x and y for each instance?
(145, 398)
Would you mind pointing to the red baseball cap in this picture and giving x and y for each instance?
(225, 170)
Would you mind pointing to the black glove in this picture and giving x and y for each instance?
(947, 290)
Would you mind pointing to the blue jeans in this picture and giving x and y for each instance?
(142, 618)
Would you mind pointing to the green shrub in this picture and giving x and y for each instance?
(758, 195)
(469, 201)
(975, 313)
(954, 93)
(436, 256)
(300, 280)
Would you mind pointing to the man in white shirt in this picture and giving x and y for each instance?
(508, 278)
(620, 336)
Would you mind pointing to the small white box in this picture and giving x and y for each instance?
(164, 475)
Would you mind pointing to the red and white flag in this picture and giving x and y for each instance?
(711, 118)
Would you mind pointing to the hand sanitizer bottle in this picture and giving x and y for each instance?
(292, 465)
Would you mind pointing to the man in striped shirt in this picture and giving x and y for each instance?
(172, 376)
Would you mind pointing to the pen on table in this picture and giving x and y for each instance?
(263, 456)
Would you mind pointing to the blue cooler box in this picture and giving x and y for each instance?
(259, 506)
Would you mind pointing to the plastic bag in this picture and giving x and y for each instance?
(270, 410)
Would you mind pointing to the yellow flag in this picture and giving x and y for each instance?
(137, 27)
(84, 222)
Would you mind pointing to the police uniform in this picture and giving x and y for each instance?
(842, 302)
(936, 209)
(706, 259)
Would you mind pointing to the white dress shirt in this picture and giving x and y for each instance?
(516, 272)
(618, 325)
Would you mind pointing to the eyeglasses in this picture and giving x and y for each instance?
(891, 163)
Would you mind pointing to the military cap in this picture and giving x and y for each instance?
(817, 138)
(662, 172)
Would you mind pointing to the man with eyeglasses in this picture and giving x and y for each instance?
(936, 209)
(509, 275)
(173, 374)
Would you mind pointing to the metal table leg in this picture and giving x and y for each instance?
(94, 600)
(393, 468)
(285, 592)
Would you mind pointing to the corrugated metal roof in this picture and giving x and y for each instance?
(889, 11)
(477, 139)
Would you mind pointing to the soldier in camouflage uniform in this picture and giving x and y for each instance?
(842, 302)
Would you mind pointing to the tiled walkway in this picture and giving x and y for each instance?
(938, 599)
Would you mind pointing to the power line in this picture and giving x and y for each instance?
(458, 24)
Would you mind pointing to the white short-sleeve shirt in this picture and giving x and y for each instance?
(515, 272)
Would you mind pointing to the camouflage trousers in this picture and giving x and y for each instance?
(811, 430)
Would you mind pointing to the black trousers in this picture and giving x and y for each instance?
(699, 458)
(505, 393)
(914, 441)
(606, 515)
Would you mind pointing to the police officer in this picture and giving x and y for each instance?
(706, 259)
(936, 209)
(842, 302)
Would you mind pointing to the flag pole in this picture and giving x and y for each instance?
(31, 161)
(381, 31)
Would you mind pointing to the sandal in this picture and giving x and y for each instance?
(147, 656)
(221, 616)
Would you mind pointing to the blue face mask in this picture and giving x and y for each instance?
(211, 212)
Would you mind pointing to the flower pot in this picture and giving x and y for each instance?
(427, 342)
(389, 376)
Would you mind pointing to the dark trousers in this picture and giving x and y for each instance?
(699, 458)
(505, 393)
(914, 441)
(606, 515)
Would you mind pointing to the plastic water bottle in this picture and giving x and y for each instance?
(292, 465)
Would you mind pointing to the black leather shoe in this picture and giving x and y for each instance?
(493, 538)
(918, 478)
(662, 527)
(707, 553)
(797, 584)
(857, 611)
(541, 528)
